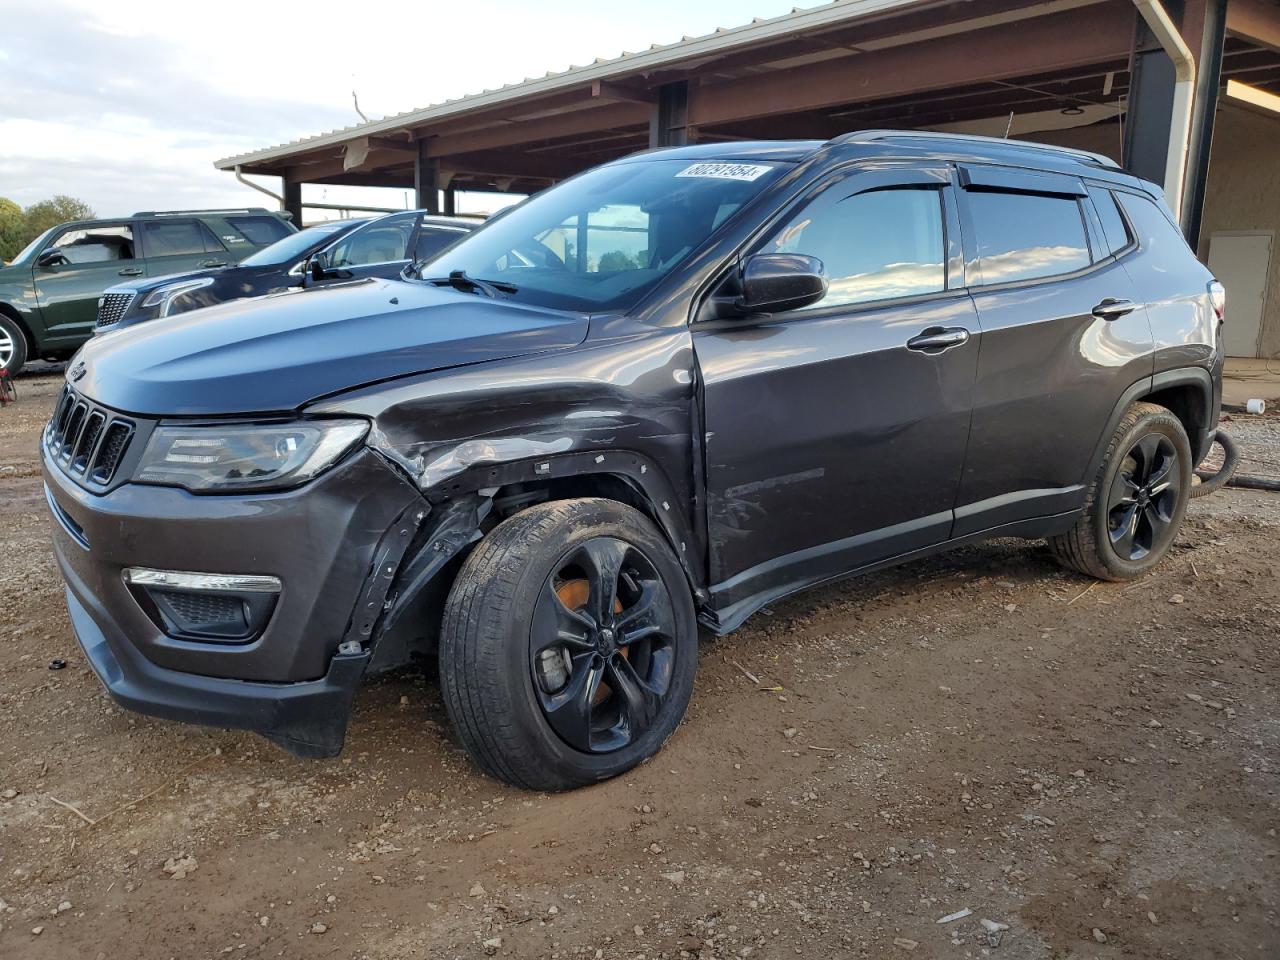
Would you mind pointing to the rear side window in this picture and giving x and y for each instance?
(878, 245)
(1154, 230)
(1114, 229)
(1027, 236)
(432, 240)
(260, 230)
(171, 238)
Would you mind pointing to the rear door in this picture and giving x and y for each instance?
(179, 246)
(835, 434)
(1062, 338)
(90, 259)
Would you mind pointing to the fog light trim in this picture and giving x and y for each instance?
(182, 580)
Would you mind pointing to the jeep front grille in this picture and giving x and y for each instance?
(86, 441)
(111, 308)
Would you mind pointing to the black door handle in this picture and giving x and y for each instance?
(1113, 307)
(213, 263)
(938, 339)
(130, 272)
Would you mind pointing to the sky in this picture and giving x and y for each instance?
(126, 105)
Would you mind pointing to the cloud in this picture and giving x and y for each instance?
(126, 105)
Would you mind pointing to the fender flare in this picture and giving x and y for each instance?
(1178, 377)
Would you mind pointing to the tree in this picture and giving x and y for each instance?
(19, 227)
(12, 229)
(49, 213)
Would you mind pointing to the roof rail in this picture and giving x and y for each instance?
(187, 213)
(866, 136)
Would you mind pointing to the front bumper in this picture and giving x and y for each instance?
(309, 719)
(289, 682)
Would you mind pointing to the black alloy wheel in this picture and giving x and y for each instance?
(569, 644)
(1144, 497)
(1134, 506)
(601, 645)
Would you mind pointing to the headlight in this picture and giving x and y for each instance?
(246, 456)
(163, 297)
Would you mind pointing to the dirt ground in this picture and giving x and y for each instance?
(1095, 766)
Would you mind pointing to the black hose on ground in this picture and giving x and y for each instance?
(1211, 480)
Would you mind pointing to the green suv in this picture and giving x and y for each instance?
(49, 292)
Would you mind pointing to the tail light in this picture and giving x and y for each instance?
(1218, 297)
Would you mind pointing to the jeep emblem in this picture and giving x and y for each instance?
(78, 372)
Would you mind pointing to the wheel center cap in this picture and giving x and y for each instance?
(605, 640)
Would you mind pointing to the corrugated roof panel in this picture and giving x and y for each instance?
(657, 56)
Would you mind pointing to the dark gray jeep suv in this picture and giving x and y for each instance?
(658, 395)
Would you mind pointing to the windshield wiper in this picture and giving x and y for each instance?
(459, 280)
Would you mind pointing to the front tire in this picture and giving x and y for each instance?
(1136, 503)
(569, 645)
(13, 346)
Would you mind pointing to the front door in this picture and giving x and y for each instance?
(835, 434)
(378, 249)
(81, 262)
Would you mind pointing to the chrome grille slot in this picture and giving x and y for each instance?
(88, 441)
(110, 452)
(65, 406)
(112, 306)
(72, 433)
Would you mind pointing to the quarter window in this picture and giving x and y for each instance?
(878, 245)
(1114, 228)
(260, 230)
(1027, 236)
(1153, 227)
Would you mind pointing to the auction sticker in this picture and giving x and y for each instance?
(725, 171)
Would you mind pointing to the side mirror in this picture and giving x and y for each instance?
(316, 266)
(777, 282)
(51, 258)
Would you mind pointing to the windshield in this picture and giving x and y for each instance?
(295, 245)
(602, 240)
(31, 247)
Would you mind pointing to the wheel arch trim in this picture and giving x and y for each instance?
(1197, 377)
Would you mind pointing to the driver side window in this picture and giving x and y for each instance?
(380, 242)
(878, 245)
(100, 243)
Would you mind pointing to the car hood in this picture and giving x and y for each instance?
(278, 352)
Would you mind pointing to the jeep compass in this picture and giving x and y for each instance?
(651, 399)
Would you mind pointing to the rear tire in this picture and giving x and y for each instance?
(569, 645)
(1135, 505)
(13, 345)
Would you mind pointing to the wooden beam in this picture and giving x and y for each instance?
(1255, 20)
(325, 168)
(621, 92)
(520, 166)
(1055, 42)
(516, 132)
